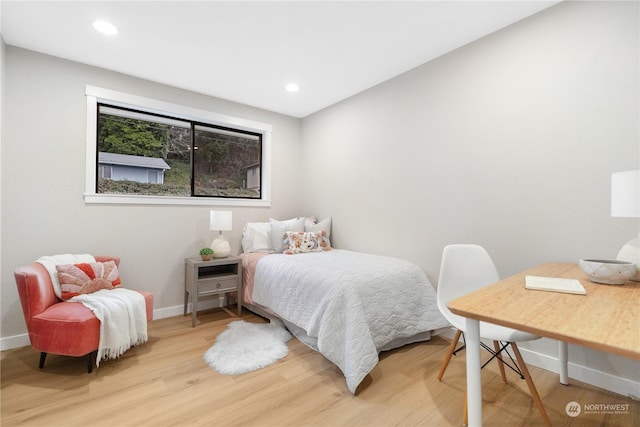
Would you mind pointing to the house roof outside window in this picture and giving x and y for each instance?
(135, 161)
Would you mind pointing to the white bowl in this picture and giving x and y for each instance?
(608, 271)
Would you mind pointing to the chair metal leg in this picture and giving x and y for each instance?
(503, 347)
(532, 387)
(43, 356)
(496, 346)
(520, 369)
(450, 350)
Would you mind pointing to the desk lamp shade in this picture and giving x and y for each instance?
(625, 202)
(220, 221)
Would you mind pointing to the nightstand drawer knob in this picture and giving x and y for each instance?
(218, 285)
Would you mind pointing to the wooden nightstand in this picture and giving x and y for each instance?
(215, 277)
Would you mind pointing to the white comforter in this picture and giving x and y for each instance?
(355, 304)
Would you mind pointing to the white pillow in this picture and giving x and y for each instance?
(280, 228)
(324, 225)
(288, 221)
(256, 237)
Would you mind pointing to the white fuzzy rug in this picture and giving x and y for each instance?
(244, 347)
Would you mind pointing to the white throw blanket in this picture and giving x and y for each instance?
(122, 312)
(123, 320)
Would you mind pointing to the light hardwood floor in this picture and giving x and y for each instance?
(166, 382)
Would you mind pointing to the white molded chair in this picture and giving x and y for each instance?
(464, 269)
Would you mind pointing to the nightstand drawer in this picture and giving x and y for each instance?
(218, 276)
(217, 285)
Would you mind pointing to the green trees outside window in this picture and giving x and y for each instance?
(150, 154)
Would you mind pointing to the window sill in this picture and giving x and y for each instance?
(119, 199)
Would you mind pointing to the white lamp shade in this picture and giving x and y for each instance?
(625, 194)
(220, 220)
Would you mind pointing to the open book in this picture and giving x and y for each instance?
(553, 284)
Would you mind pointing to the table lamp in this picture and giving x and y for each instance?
(220, 221)
(625, 202)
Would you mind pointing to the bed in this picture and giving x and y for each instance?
(347, 305)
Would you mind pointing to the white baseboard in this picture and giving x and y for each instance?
(178, 310)
(613, 383)
(604, 380)
(7, 343)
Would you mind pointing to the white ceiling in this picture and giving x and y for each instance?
(248, 51)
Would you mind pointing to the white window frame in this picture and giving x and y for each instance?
(97, 95)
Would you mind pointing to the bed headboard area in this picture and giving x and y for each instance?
(296, 235)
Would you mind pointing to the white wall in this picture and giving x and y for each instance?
(43, 175)
(508, 142)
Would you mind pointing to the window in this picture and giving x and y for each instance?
(145, 151)
(153, 177)
(105, 172)
(219, 162)
(194, 159)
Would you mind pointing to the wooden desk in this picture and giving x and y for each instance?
(607, 318)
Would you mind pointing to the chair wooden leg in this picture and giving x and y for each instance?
(43, 356)
(91, 359)
(447, 358)
(532, 387)
(496, 347)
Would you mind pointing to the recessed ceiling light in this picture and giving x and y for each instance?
(105, 28)
(292, 87)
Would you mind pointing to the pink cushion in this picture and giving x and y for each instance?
(67, 328)
(70, 328)
(148, 299)
(86, 278)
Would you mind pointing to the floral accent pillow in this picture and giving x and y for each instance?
(86, 278)
(298, 242)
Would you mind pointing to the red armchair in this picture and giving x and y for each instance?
(54, 326)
